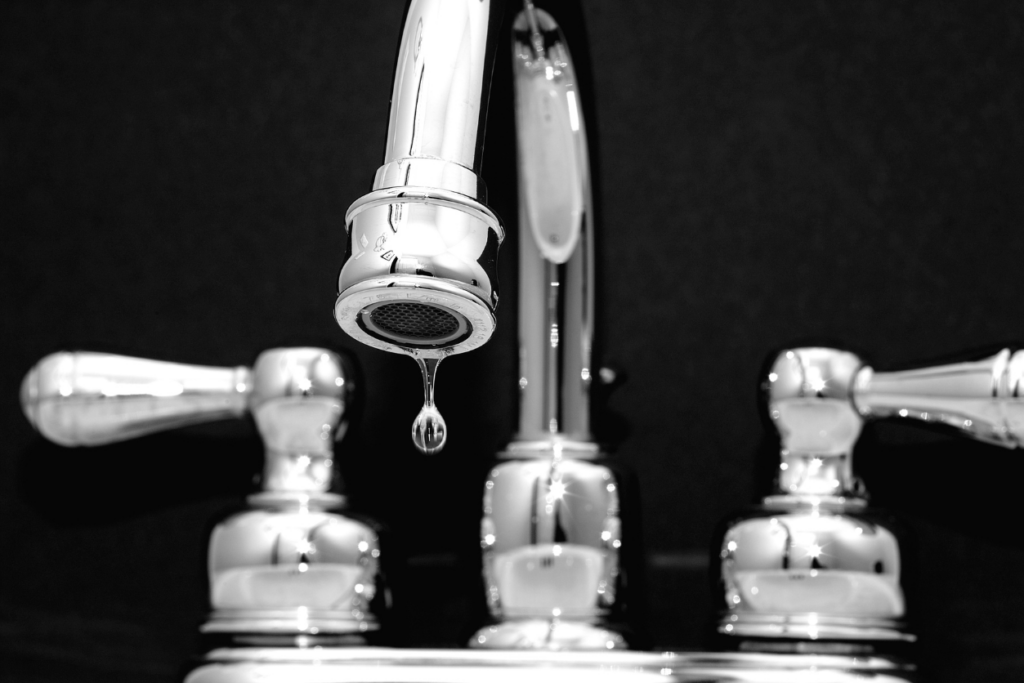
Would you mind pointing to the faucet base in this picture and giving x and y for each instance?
(267, 664)
(813, 574)
(293, 565)
(547, 634)
(522, 449)
(294, 623)
(803, 633)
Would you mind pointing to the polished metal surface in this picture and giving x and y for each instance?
(372, 665)
(298, 401)
(983, 399)
(424, 234)
(292, 567)
(551, 533)
(812, 568)
(819, 399)
(291, 564)
(809, 395)
(79, 398)
(297, 396)
(551, 538)
(813, 563)
(556, 251)
(825, 571)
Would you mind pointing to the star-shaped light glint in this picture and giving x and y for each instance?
(304, 547)
(556, 491)
(815, 382)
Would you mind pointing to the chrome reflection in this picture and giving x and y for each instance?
(551, 539)
(316, 665)
(983, 399)
(813, 568)
(813, 563)
(807, 570)
(423, 242)
(291, 564)
(551, 534)
(82, 398)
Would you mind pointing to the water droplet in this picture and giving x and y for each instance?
(429, 431)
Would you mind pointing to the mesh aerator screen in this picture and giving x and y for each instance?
(418, 321)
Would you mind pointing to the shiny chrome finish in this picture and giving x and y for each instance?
(551, 533)
(813, 569)
(809, 394)
(419, 273)
(819, 399)
(984, 399)
(556, 251)
(551, 538)
(78, 398)
(823, 574)
(291, 565)
(366, 665)
(813, 563)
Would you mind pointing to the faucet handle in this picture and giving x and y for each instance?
(812, 566)
(297, 397)
(809, 394)
(810, 399)
(813, 569)
(819, 398)
(82, 398)
(291, 564)
(982, 398)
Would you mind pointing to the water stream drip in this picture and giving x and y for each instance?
(429, 431)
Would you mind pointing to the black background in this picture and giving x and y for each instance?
(173, 183)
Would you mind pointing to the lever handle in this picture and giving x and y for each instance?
(297, 396)
(982, 398)
(819, 398)
(80, 398)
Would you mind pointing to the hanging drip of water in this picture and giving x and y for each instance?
(429, 431)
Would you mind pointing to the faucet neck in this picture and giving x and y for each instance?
(813, 475)
(809, 395)
(556, 254)
(439, 102)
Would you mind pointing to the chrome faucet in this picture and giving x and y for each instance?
(292, 568)
(813, 568)
(419, 273)
(551, 531)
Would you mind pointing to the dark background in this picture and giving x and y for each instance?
(173, 183)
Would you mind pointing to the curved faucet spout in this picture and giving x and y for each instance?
(439, 101)
(420, 270)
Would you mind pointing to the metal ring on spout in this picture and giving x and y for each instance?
(422, 240)
(426, 246)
